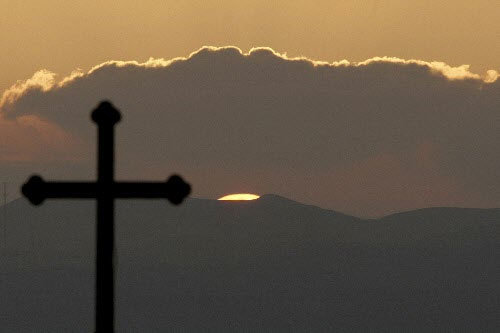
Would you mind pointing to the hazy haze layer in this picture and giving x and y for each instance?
(369, 138)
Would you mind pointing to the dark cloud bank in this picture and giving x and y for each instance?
(367, 138)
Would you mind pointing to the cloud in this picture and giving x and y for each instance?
(368, 138)
(28, 137)
(42, 80)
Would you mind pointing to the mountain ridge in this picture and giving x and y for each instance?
(270, 264)
(275, 198)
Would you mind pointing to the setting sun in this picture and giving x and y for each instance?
(239, 197)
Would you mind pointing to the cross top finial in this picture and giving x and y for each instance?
(106, 114)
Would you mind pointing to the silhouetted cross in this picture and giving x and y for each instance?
(105, 190)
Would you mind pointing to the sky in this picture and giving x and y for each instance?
(368, 137)
(61, 36)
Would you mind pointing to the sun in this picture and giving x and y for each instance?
(239, 197)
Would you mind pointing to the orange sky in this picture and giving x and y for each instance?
(367, 139)
(64, 35)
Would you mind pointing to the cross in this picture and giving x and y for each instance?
(105, 190)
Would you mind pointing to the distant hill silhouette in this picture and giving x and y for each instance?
(266, 265)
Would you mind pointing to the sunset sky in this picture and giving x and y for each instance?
(62, 36)
(414, 129)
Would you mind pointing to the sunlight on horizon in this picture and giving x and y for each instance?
(239, 197)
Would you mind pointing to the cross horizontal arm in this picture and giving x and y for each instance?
(37, 190)
(175, 189)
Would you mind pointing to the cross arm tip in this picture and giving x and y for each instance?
(178, 189)
(31, 190)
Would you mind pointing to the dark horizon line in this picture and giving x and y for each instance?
(283, 198)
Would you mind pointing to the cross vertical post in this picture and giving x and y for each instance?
(105, 190)
(4, 211)
(106, 118)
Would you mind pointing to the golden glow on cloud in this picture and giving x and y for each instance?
(45, 80)
(452, 73)
(239, 197)
(323, 29)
